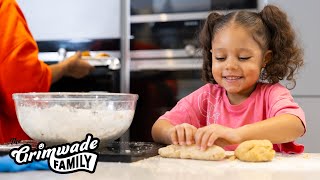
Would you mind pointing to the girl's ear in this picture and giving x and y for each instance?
(267, 57)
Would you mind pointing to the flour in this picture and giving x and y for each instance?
(68, 124)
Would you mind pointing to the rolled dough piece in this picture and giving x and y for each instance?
(255, 151)
(214, 152)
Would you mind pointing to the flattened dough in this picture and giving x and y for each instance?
(255, 151)
(214, 153)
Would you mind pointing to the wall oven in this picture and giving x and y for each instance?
(105, 77)
(165, 58)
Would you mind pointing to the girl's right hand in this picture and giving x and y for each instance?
(182, 134)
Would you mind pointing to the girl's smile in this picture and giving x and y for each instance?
(237, 60)
(232, 80)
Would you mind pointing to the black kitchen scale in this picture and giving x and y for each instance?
(116, 151)
(5, 148)
(127, 151)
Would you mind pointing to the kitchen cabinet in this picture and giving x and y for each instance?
(72, 19)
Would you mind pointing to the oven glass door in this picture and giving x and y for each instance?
(158, 91)
(165, 35)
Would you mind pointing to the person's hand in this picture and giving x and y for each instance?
(216, 134)
(76, 67)
(182, 134)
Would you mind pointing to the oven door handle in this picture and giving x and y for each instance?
(166, 64)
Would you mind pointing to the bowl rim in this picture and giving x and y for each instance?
(93, 96)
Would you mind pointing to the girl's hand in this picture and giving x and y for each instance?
(182, 134)
(216, 134)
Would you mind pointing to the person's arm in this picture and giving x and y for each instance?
(179, 125)
(279, 129)
(160, 131)
(73, 66)
(58, 70)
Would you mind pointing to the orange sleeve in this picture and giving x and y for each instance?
(20, 69)
(23, 71)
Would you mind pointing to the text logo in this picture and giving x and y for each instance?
(64, 158)
(14, 141)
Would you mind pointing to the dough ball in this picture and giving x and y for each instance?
(192, 152)
(255, 151)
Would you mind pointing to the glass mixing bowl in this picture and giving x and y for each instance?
(57, 118)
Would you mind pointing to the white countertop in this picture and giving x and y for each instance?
(291, 167)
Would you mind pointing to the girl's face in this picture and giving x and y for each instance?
(237, 60)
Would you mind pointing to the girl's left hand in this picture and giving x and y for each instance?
(216, 134)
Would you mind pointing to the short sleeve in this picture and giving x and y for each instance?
(25, 72)
(281, 102)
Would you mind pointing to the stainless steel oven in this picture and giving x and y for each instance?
(105, 77)
(164, 32)
(165, 59)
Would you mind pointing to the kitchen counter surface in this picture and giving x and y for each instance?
(291, 167)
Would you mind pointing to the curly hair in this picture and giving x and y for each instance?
(271, 29)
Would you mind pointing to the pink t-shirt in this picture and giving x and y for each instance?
(210, 105)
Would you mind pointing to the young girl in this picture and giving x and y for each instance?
(245, 55)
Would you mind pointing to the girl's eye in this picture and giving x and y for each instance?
(220, 58)
(244, 58)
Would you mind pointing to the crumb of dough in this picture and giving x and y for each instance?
(305, 156)
(85, 53)
(192, 152)
(231, 158)
(102, 55)
(255, 151)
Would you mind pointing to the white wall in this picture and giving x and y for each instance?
(72, 19)
(311, 109)
(304, 15)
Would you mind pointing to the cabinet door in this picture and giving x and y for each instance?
(72, 19)
(311, 107)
